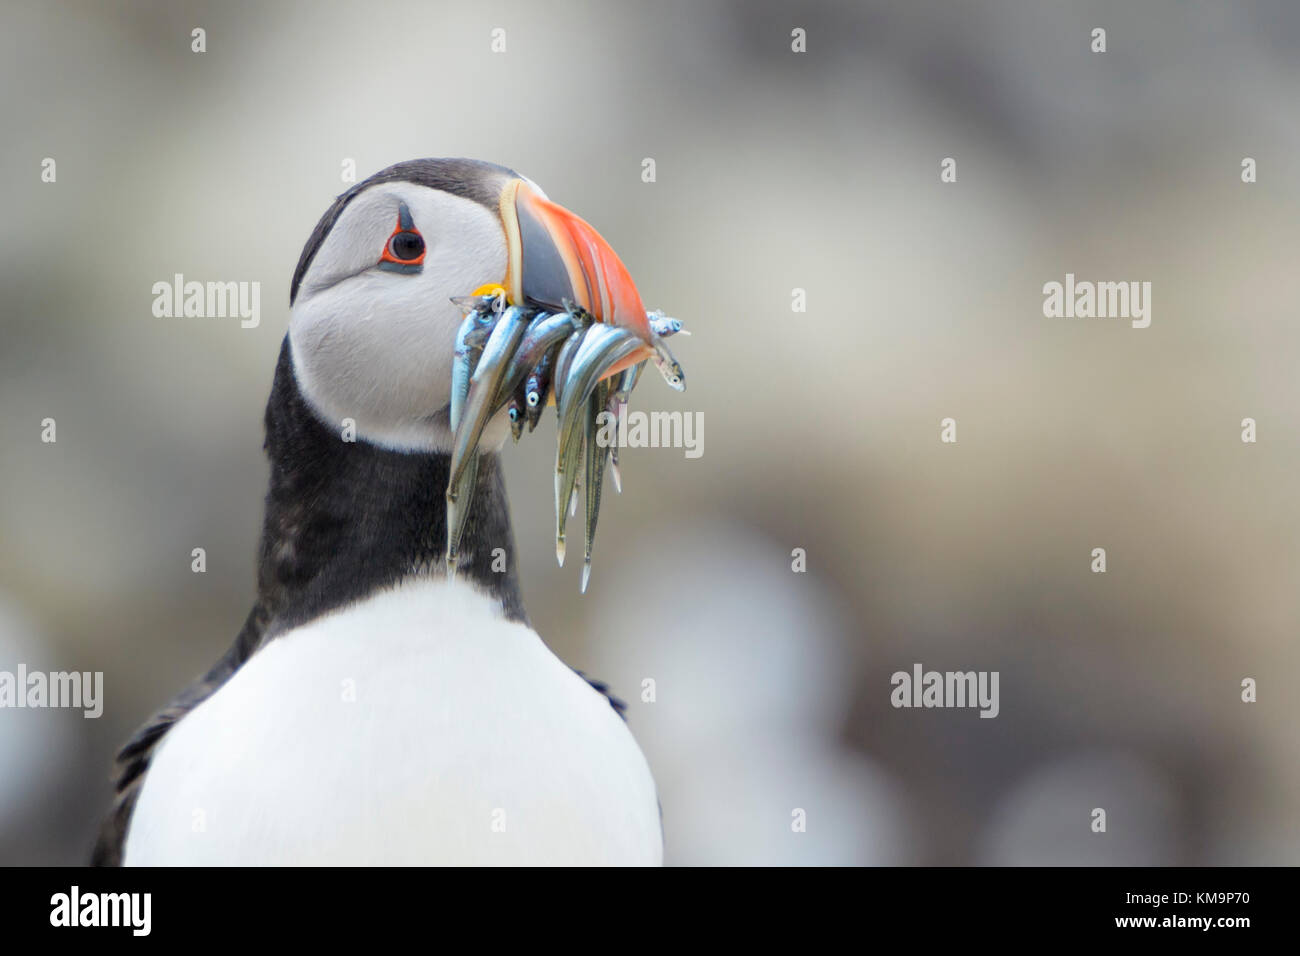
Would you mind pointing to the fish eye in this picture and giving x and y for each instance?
(533, 399)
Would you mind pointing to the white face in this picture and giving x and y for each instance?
(375, 345)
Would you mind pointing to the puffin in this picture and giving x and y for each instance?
(376, 709)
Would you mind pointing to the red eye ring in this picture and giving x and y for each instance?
(404, 247)
(404, 251)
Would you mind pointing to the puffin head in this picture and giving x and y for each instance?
(373, 322)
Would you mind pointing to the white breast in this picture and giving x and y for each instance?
(418, 727)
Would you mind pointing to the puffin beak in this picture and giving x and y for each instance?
(557, 261)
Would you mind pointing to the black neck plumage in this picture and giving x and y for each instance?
(344, 519)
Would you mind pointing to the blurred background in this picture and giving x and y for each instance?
(774, 171)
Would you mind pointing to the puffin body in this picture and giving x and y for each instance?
(417, 726)
(374, 710)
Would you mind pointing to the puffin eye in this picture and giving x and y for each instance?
(406, 246)
(404, 250)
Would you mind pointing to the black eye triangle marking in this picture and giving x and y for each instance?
(404, 221)
(404, 250)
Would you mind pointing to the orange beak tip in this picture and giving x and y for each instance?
(556, 258)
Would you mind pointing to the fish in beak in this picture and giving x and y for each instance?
(568, 311)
